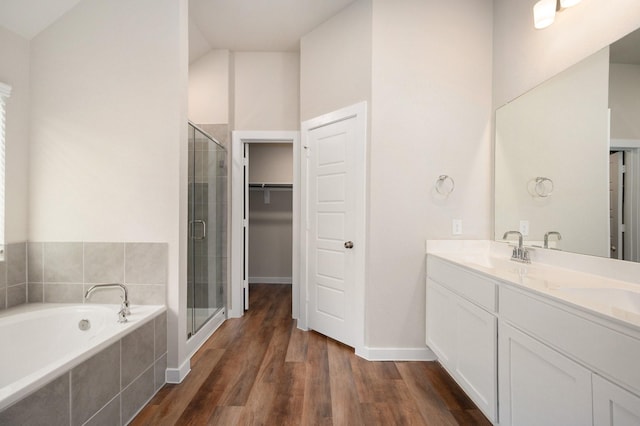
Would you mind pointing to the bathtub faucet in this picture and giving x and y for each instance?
(124, 309)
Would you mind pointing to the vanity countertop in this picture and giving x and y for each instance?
(598, 286)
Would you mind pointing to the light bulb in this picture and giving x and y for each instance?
(544, 12)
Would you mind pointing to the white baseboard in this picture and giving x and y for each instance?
(270, 280)
(177, 375)
(396, 354)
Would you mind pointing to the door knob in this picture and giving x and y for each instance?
(348, 245)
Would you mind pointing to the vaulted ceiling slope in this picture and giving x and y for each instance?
(28, 17)
(239, 25)
(255, 25)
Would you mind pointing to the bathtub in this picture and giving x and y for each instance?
(43, 341)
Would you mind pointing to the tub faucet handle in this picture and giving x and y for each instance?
(122, 316)
(125, 307)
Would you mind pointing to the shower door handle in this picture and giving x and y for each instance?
(204, 229)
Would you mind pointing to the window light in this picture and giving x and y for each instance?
(5, 92)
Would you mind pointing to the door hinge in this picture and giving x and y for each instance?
(244, 161)
(244, 223)
(623, 169)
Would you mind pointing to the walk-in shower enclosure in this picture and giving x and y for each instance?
(207, 229)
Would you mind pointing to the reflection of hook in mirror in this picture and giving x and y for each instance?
(445, 185)
(540, 187)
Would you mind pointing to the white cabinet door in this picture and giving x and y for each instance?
(614, 406)
(464, 337)
(477, 363)
(539, 386)
(441, 325)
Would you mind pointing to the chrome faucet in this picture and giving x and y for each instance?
(520, 254)
(124, 308)
(548, 234)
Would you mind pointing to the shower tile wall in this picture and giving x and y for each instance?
(61, 272)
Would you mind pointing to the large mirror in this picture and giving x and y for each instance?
(567, 158)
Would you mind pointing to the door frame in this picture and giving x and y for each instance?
(631, 147)
(239, 138)
(359, 112)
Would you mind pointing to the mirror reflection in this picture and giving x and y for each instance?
(567, 158)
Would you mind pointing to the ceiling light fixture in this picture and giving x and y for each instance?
(544, 11)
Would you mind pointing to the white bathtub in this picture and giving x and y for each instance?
(42, 341)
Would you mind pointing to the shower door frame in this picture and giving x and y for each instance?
(239, 186)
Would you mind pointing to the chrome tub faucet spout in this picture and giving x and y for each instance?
(124, 308)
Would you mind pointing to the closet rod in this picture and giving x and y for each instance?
(271, 185)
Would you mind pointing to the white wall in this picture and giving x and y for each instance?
(271, 163)
(108, 133)
(525, 57)
(559, 130)
(431, 115)
(335, 62)
(266, 92)
(430, 109)
(14, 71)
(209, 88)
(624, 100)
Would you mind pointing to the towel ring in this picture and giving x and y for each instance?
(445, 185)
(543, 186)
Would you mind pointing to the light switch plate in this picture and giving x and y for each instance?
(524, 227)
(456, 226)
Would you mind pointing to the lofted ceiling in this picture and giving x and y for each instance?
(255, 25)
(28, 17)
(239, 25)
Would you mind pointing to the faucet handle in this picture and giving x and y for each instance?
(122, 316)
(125, 307)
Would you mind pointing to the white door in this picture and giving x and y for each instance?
(335, 186)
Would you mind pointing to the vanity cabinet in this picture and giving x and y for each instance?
(462, 333)
(550, 357)
(527, 358)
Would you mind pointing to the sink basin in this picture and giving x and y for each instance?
(619, 298)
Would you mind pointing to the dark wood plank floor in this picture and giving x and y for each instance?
(262, 370)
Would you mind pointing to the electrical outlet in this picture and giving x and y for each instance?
(456, 226)
(524, 227)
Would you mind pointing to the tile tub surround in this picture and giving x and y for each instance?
(108, 388)
(61, 272)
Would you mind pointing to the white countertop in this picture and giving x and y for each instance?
(599, 286)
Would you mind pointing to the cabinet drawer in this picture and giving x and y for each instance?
(474, 287)
(603, 349)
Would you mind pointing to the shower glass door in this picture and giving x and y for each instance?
(206, 229)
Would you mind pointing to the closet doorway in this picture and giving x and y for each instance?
(265, 214)
(269, 204)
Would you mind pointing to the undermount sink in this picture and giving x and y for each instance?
(619, 298)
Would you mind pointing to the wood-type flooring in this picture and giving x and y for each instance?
(261, 370)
